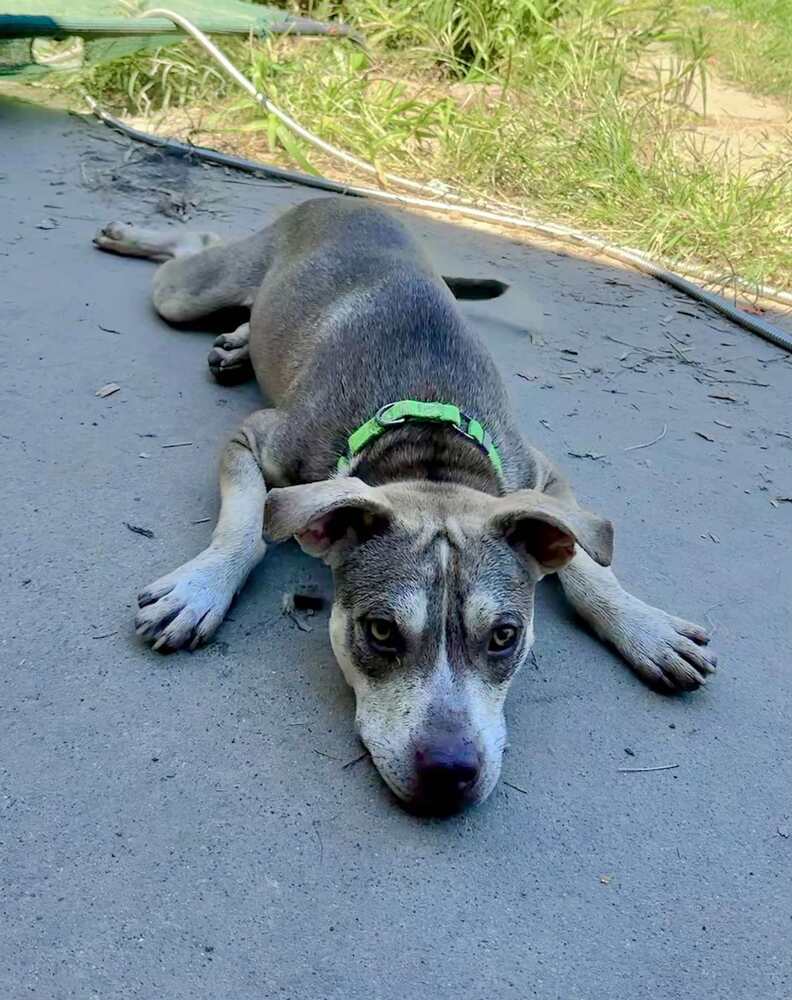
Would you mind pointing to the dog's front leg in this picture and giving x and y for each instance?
(184, 608)
(668, 653)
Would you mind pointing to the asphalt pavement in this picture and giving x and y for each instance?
(187, 826)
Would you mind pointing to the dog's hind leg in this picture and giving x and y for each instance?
(154, 244)
(200, 274)
(224, 276)
(185, 607)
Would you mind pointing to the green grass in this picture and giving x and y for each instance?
(537, 103)
(752, 40)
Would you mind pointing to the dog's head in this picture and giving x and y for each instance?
(433, 615)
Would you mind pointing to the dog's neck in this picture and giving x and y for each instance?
(416, 451)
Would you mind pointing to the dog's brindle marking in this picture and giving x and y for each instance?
(426, 541)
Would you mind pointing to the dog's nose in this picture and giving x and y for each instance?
(446, 772)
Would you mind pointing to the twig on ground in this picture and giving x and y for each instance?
(636, 770)
(706, 377)
(315, 825)
(679, 351)
(648, 444)
(626, 343)
(145, 532)
(356, 760)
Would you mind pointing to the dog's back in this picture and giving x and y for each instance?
(351, 316)
(336, 264)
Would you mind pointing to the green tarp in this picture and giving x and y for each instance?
(39, 36)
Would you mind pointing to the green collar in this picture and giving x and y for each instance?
(410, 409)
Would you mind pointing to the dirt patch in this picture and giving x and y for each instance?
(744, 127)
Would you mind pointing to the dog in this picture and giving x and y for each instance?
(390, 452)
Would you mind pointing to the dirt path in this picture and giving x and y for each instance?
(746, 127)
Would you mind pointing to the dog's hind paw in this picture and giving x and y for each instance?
(668, 653)
(230, 367)
(118, 237)
(184, 608)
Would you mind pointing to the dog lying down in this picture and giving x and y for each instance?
(389, 451)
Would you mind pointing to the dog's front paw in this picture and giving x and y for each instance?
(185, 608)
(668, 653)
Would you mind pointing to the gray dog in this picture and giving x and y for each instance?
(390, 452)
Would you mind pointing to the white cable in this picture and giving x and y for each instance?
(625, 255)
(287, 120)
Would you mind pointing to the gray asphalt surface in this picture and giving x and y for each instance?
(184, 827)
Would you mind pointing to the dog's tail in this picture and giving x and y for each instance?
(475, 288)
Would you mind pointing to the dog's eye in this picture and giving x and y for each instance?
(382, 635)
(502, 639)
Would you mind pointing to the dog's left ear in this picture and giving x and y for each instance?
(547, 530)
(327, 517)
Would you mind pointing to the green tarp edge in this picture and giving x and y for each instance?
(104, 38)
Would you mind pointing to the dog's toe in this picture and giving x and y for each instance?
(232, 341)
(220, 357)
(154, 592)
(692, 631)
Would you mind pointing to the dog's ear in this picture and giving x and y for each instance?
(546, 529)
(327, 517)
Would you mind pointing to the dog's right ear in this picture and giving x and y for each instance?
(327, 517)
